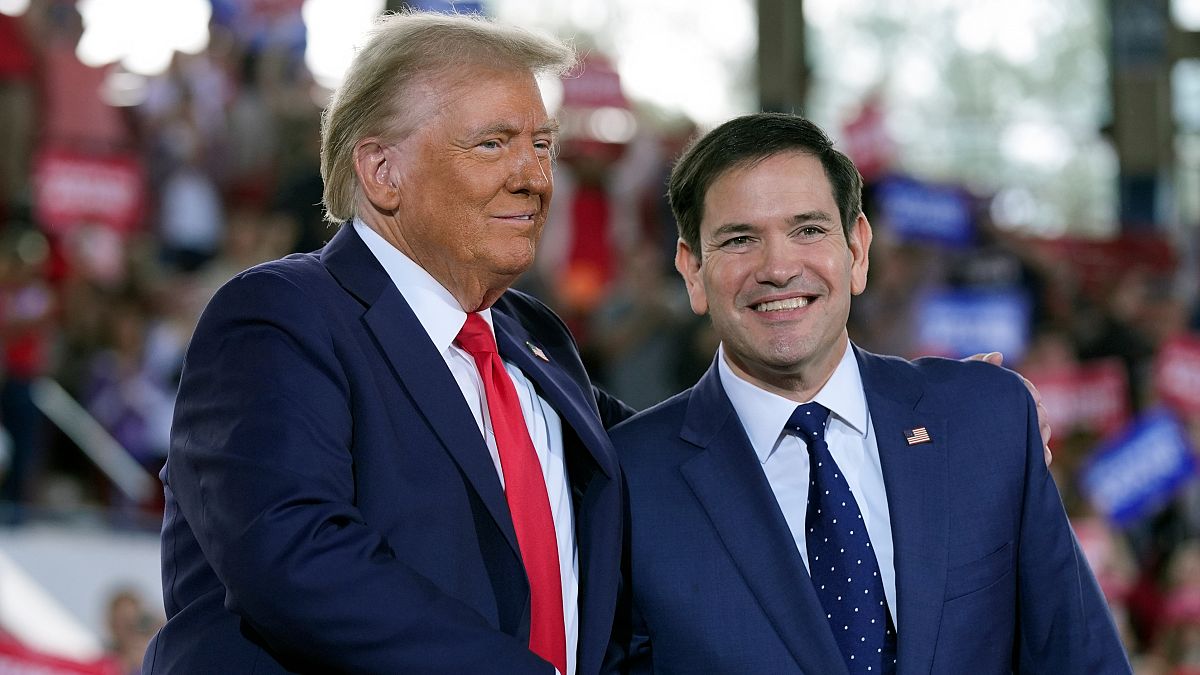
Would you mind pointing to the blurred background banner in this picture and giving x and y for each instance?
(1091, 397)
(72, 188)
(1177, 371)
(1137, 473)
(919, 211)
(961, 322)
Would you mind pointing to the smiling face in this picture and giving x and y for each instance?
(465, 196)
(775, 272)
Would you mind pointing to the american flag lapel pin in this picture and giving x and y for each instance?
(917, 436)
(537, 351)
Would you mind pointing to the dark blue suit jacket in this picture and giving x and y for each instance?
(989, 576)
(331, 504)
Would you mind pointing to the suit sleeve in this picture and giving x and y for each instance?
(1064, 624)
(613, 411)
(261, 467)
(629, 649)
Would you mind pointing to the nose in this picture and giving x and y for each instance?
(779, 264)
(530, 172)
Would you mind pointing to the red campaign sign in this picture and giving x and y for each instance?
(867, 140)
(17, 659)
(1099, 263)
(1177, 374)
(597, 85)
(72, 189)
(1093, 397)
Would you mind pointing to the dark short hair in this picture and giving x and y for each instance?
(745, 141)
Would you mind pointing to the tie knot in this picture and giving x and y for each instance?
(809, 419)
(476, 336)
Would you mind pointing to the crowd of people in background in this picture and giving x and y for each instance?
(226, 144)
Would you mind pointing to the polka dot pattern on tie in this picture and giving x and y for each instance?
(849, 585)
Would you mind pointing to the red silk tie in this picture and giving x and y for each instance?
(525, 490)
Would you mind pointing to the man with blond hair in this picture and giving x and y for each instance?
(382, 459)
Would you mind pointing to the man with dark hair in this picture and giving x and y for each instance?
(811, 507)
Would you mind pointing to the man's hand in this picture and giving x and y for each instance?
(996, 359)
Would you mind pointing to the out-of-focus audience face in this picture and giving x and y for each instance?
(130, 627)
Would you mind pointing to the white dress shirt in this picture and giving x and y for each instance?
(851, 440)
(442, 317)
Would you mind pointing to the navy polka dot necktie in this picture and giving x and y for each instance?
(842, 562)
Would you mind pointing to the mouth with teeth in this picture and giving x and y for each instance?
(781, 305)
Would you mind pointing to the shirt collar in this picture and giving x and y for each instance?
(439, 313)
(764, 414)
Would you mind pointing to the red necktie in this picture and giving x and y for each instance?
(525, 490)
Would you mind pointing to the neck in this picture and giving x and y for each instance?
(799, 383)
(472, 293)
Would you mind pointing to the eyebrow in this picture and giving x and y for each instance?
(733, 228)
(798, 219)
(508, 129)
(811, 216)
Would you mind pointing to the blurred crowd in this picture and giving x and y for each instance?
(212, 167)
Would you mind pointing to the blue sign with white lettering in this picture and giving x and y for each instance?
(919, 211)
(1135, 474)
(960, 322)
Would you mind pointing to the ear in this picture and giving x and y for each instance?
(378, 174)
(860, 247)
(687, 264)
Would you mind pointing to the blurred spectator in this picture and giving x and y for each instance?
(253, 139)
(75, 114)
(1179, 641)
(17, 113)
(125, 391)
(191, 210)
(130, 627)
(657, 222)
(27, 312)
(637, 330)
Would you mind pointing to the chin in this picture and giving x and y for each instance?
(512, 268)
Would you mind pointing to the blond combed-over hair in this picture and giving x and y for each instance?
(400, 49)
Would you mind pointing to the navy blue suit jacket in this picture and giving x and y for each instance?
(331, 505)
(989, 576)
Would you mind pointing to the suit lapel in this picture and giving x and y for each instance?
(730, 485)
(915, 478)
(517, 346)
(597, 508)
(416, 362)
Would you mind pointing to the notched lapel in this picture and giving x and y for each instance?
(733, 490)
(593, 483)
(915, 479)
(558, 388)
(435, 393)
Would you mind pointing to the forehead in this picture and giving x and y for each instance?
(770, 192)
(480, 95)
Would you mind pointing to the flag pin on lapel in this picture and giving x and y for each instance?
(537, 351)
(917, 436)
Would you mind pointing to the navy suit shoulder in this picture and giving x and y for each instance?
(989, 576)
(330, 503)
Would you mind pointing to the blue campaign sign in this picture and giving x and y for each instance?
(448, 6)
(961, 322)
(1136, 474)
(919, 211)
